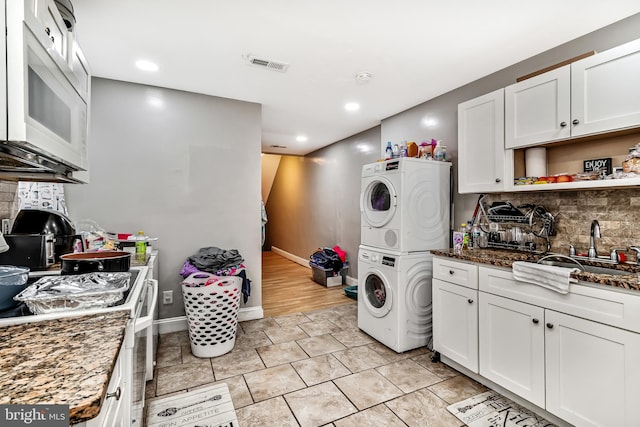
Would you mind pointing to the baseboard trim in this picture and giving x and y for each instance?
(303, 262)
(179, 323)
(171, 324)
(351, 281)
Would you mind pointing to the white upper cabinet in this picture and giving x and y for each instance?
(597, 94)
(605, 90)
(538, 109)
(481, 153)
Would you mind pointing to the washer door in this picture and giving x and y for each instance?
(377, 294)
(378, 202)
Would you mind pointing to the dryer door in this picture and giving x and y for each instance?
(378, 202)
(377, 294)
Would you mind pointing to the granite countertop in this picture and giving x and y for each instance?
(504, 258)
(62, 361)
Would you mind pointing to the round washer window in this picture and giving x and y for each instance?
(380, 197)
(375, 291)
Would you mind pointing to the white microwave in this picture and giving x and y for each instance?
(46, 117)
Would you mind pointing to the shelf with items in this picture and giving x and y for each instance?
(567, 158)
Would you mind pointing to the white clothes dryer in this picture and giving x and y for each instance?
(405, 204)
(394, 297)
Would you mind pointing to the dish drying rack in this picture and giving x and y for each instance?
(522, 228)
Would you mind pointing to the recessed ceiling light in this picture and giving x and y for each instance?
(146, 65)
(351, 106)
(301, 138)
(363, 77)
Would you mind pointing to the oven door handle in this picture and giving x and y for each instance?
(146, 321)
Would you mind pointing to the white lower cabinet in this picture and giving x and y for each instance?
(575, 355)
(512, 346)
(115, 408)
(592, 372)
(455, 323)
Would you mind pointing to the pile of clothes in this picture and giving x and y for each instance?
(328, 258)
(220, 262)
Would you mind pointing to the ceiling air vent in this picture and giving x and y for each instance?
(268, 64)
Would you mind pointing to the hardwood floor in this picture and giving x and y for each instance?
(288, 287)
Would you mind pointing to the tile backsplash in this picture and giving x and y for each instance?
(617, 210)
(8, 205)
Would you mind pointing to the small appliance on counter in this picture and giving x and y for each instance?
(38, 238)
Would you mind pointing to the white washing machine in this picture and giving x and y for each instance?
(405, 204)
(394, 297)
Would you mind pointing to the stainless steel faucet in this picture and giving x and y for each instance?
(595, 233)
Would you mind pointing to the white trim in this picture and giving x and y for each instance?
(303, 262)
(351, 281)
(250, 313)
(172, 324)
(176, 324)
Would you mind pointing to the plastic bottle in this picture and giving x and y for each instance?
(440, 152)
(475, 236)
(403, 149)
(389, 151)
(396, 151)
(465, 238)
(141, 246)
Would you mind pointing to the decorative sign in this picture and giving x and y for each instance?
(603, 165)
(41, 195)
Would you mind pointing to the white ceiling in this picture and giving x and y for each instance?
(414, 49)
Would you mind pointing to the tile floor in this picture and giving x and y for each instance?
(316, 369)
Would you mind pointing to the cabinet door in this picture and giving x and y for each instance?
(605, 90)
(459, 273)
(455, 323)
(50, 26)
(512, 345)
(592, 372)
(538, 110)
(481, 154)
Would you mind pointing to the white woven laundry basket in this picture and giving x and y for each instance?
(211, 304)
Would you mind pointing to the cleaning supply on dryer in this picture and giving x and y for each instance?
(389, 151)
(440, 152)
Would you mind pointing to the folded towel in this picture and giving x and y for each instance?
(548, 276)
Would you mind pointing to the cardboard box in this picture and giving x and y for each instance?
(327, 277)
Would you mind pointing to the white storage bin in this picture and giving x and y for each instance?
(211, 304)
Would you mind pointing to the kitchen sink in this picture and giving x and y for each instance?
(585, 267)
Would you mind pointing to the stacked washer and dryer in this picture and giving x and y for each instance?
(405, 212)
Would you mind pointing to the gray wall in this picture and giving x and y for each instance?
(314, 200)
(183, 167)
(442, 112)
(294, 224)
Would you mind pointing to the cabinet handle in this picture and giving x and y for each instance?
(115, 394)
(550, 325)
(563, 124)
(575, 121)
(48, 31)
(470, 301)
(451, 272)
(535, 321)
(498, 180)
(53, 39)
